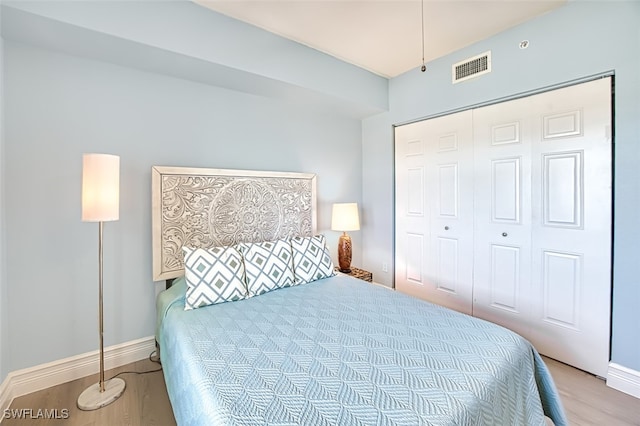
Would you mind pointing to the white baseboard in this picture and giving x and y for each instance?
(624, 379)
(22, 382)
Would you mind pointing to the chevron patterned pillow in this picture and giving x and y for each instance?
(268, 265)
(311, 259)
(213, 275)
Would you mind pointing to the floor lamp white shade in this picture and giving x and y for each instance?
(100, 187)
(100, 203)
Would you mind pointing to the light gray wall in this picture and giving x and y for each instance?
(181, 38)
(580, 39)
(148, 81)
(59, 106)
(3, 298)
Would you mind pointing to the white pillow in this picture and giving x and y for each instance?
(213, 275)
(268, 265)
(311, 259)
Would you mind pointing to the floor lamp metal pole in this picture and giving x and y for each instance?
(102, 393)
(100, 311)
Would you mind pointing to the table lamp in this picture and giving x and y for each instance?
(345, 218)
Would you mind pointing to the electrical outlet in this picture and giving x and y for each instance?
(384, 267)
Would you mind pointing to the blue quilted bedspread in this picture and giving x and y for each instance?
(341, 351)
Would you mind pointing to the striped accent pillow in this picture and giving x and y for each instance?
(268, 265)
(213, 275)
(311, 259)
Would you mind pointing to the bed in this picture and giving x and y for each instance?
(326, 350)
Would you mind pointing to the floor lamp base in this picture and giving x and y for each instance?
(92, 398)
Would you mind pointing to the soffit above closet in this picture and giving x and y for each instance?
(384, 36)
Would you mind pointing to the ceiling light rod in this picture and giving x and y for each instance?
(423, 68)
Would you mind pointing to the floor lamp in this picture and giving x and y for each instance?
(100, 203)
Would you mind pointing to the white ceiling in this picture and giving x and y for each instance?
(384, 36)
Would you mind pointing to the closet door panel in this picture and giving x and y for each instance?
(562, 189)
(505, 190)
(414, 258)
(505, 278)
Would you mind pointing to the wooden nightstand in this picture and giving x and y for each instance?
(358, 273)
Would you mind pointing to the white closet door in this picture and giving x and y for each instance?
(571, 226)
(502, 255)
(434, 184)
(412, 224)
(505, 211)
(543, 221)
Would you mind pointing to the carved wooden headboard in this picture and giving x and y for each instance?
(215, 207)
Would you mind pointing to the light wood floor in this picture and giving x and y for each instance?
(587, 400)
(144, 401)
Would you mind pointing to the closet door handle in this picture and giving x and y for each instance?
(446, 228)
(504, 234)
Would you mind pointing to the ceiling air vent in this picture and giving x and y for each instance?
(471, 68)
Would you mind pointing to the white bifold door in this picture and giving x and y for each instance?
(504, 212)
(434, 210)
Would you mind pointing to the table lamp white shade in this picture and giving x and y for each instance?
(100, 187)
(345, 217)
